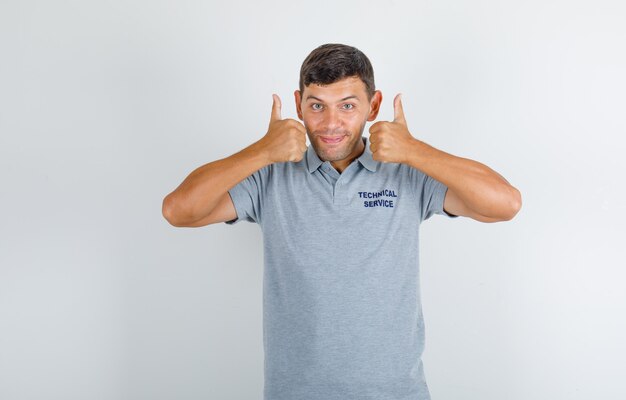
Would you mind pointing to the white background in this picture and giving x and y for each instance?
(105, 107)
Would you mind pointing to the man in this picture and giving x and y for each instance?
(342, 311)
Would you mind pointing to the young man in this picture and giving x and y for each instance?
(342, 311)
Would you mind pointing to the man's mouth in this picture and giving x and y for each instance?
(332, 139)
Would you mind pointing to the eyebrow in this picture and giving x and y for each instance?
(309, 97)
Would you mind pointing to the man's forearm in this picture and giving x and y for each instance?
(481, 189)
(200, 192)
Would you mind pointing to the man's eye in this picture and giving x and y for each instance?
(316, 104)
(349, 106)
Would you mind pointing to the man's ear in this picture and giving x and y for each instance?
(375, 102)
(298, 98)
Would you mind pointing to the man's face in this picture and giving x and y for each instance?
(334, 117)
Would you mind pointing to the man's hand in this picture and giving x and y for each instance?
(285, 139)
(391, 141)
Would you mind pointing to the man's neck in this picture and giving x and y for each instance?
(343, 164)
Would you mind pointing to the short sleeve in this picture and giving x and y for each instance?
(247, 197)
(431, 194)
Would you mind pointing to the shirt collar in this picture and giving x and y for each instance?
(314, 162)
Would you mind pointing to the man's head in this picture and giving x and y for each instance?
(337, 97)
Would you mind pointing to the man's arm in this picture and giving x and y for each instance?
(202, 198)
(194, 200)
(474, 190)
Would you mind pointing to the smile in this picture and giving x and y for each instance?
(332, 139)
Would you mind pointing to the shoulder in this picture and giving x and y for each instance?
(398, 171)
(287, 168)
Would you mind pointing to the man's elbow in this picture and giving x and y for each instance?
(508, 209)
(167, 210)
(171, 211)
(514, 204)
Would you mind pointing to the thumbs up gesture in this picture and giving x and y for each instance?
(391, 141)
(285, 139)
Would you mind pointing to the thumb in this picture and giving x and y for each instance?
(276, 106)
(398, 111)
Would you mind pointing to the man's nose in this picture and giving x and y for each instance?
(332, 119)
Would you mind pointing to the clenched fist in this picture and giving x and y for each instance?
(391, 141)
(285, 139)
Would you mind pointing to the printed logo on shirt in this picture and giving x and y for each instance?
(382, 198)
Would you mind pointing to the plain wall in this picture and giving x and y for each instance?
(105, 107)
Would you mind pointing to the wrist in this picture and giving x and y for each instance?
(417, 154)
(259, 152)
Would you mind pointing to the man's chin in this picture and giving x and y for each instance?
(329, 156)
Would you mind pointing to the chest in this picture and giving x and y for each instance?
(315, 214)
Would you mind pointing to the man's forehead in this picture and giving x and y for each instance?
(337, 91)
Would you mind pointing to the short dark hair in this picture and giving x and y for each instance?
(332, 62)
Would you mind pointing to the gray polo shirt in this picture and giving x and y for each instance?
(342, 316)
